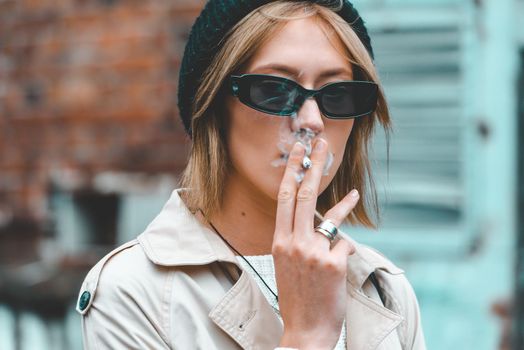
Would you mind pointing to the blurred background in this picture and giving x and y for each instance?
(91, 147)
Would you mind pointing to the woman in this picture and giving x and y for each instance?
(280, 99)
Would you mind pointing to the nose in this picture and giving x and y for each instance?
(309, 116)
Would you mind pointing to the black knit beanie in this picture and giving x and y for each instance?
(215, 20)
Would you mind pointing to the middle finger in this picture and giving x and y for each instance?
(308, 190)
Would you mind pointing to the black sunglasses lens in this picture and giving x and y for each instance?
(280, 96)
(273, 95)
(343, 100)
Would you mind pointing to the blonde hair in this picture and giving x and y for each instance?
(208, 161)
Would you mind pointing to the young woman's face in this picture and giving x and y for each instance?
(304, 54)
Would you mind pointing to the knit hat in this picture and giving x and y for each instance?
(215, 20)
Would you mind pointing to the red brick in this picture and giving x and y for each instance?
(91, 87)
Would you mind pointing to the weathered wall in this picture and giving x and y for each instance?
(88, 86)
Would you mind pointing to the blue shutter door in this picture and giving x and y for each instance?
(448, 70)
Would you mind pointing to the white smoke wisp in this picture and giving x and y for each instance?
(287, 139)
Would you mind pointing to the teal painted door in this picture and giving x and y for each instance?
(448, 196)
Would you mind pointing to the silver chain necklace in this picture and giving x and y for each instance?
(254, 270)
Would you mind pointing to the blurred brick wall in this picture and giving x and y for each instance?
(88, 86)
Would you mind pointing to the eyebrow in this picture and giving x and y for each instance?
(295, 73)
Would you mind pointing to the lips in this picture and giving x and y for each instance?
(287, 138)
(306, 162)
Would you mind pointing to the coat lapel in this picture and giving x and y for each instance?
(247, 317)
(177, 238)
(244, 311)
(367, 322)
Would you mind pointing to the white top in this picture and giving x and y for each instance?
(266, 268)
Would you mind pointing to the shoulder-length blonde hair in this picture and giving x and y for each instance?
(206, 170)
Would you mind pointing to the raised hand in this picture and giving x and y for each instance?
(310, 271)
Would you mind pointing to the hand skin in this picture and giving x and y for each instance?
(311, 275)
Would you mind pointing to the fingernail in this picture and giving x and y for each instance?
(320, 144)
(297, 148)
(353, 193)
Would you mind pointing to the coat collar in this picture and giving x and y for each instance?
(177, 238)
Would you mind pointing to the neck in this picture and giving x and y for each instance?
(246, 218)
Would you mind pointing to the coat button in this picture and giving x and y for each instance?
(84, 300)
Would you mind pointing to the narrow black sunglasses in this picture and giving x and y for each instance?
(284, 97)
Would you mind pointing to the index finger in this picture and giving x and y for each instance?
(287, 193)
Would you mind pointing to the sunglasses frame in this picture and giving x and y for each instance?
(239, 87)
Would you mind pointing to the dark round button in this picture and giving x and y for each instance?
(84, 300)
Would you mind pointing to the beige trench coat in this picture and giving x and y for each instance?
(178, 286)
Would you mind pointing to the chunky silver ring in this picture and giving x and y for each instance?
(328, 229)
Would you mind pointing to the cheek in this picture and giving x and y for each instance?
(337, 136)
(340, 147)
(338, 133)
(251, 134)
(252, 146)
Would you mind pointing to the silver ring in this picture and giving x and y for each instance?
(328, 229)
